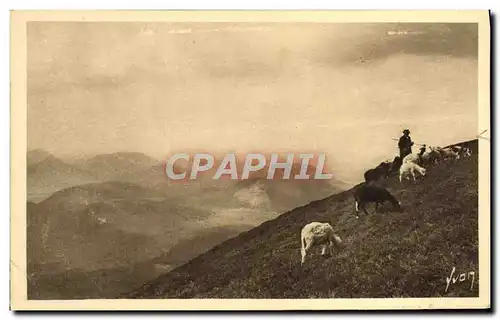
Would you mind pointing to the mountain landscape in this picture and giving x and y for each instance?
(385, 255)
(109, 103)
(106, 218)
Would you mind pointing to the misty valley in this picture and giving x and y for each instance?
(102, 225)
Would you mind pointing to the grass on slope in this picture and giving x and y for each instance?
(387, 254)
(109, 282)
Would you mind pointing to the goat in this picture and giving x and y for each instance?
(415, 158)
(467, 152)
(318, 233)
(409, 168)
(382, 170)
(366, 193)
(448, 153)
(430, 157)
(396, 163)
(462, 151)
(385, 168)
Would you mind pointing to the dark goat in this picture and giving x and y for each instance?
(371, 193)
(372, 175)
(382, 170)
(385, 168)
(396, 164)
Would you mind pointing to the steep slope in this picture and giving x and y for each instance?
(109, 282)
(198, 244)
(386, 254)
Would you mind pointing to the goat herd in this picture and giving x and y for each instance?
(322, 233)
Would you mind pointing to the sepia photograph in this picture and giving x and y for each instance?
(324, 160)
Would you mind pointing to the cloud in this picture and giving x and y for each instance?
(458, 40)
(153, 87)
(120, 53)
(180, 31)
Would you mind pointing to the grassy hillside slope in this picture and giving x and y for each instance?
(109, 282)
(386, 254)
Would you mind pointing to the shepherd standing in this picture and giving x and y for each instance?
(405, 144)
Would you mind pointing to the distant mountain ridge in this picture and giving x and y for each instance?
(115, 166)
(36, 155)
(47, 174)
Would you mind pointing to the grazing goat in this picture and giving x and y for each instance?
(318, 233)
(448, 153)
(467, 152)
(382, 170)
(371, 193)
(409, 168)
(430, 157)
(462, 151)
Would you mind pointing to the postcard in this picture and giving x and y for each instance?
(250, 160)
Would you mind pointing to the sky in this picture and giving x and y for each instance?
(159, 88)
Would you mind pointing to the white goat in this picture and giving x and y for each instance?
(318, 233)
(412, 157)
(415, 157)
(408, 169)
(448, 153)
(467, 152)
(462, 151)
